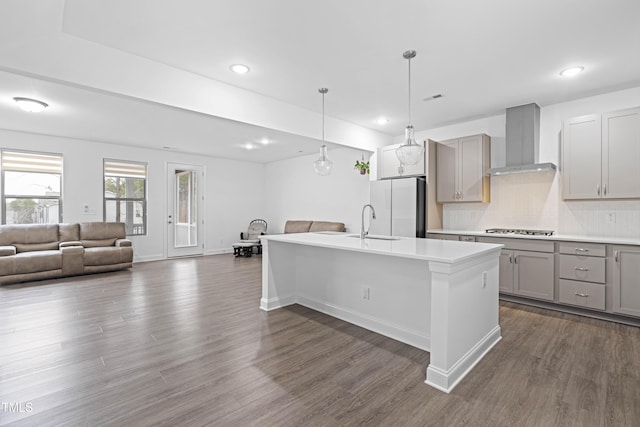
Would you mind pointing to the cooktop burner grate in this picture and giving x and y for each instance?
(519, 231)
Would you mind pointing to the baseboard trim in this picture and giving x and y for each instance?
(408, 336)
(447, 380)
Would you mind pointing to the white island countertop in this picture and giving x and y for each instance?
(446, 251)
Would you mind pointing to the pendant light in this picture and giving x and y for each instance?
(410, 152)
(323, 165)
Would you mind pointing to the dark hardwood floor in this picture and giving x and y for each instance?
(183, 343)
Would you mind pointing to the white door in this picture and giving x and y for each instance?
(185, 219)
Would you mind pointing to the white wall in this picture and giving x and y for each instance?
(295, 191)
(234, 191)
(534, 200)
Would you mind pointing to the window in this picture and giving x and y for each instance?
(125, 195)
(31, 184)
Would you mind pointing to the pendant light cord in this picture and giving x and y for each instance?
(409, 97)
(323, 92)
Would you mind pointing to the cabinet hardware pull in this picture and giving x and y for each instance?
(582, 250)
(515, 259)
(615, 256)
(580, 294)
(598, 189)
(510, 260)
(581, 269)
(605, 189)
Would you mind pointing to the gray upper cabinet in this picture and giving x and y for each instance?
(621, 154)
(600, 156)
(390, 167)
(462, 166)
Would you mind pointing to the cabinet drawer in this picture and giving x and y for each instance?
(585, 268)
(586, 249)
(520, 244)
(467, 238)
(582, 294)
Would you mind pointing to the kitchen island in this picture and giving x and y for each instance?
(439, 296)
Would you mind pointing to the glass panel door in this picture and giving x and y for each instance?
(185, 210)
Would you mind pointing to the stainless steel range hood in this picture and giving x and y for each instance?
(523, 142)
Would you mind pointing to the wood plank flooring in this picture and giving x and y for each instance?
(183, 343)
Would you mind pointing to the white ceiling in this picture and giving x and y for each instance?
(482, 56)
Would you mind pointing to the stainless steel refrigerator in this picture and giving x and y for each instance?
(401, 207)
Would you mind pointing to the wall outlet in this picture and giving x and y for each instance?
(484, 279)
(611, 217)
(366, 293)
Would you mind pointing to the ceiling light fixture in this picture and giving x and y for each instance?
(382, 121)
(570, 72)
(239, 68)
(410, 152)
(323, 165)
(249, 146)
(264, 141)
(30, 105)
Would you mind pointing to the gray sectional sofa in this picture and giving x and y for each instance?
(46, 251)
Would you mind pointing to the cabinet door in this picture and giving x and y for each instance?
(506, 271)
(581, 158)
(533, 274)
(446, 171)
(471, 168)
(626, 286)
(621, 154)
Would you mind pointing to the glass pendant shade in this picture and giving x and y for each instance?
(323, 165)
(410, 152)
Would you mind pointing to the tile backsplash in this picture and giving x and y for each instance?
(533, 200)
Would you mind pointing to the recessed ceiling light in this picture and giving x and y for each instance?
(570, 72)
(249, 146)
(30, 105)
(239, 68)
(382, 121)
(264, 141)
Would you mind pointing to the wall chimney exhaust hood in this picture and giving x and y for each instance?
(523, 142)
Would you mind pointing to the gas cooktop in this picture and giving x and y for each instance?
(519, 231)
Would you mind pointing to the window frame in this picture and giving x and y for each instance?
(143, 199)
(4, 196)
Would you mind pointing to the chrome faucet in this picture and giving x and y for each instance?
(373, 216)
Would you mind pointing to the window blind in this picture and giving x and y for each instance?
(125, 169)
(31, 162)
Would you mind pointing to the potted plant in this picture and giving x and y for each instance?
(362, 166)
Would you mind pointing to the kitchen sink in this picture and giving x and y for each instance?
(375, 237)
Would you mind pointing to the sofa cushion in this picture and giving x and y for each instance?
(30, 247)
(103, 256)
(297, 226)
(102, 230)
(28, 233)
(7, 250)
(98, 243)
(69, 232)
(326, 226)
(32, 262)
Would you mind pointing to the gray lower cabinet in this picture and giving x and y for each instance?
(533, 274)
(626, 280)
(526, 267)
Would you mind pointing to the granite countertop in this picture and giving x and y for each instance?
(555, 237)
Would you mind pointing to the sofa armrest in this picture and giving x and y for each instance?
(7, 250)
(122, 243)
(70, 243)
